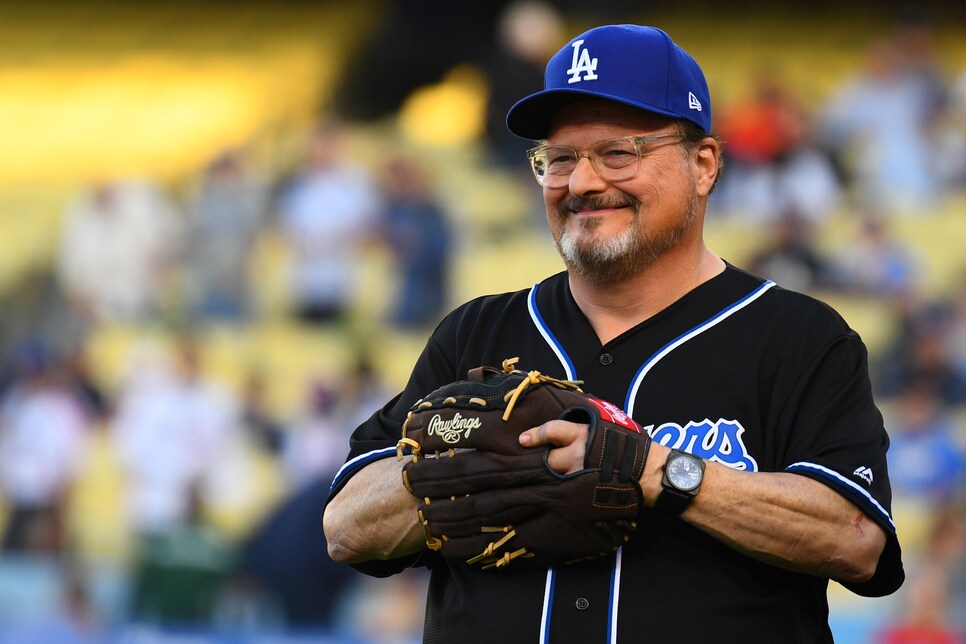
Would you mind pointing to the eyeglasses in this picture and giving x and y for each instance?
(613, 159)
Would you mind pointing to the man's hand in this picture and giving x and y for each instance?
(568, 440)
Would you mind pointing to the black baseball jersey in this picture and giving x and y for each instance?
(738, 371)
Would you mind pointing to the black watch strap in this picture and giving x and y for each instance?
(672, 501)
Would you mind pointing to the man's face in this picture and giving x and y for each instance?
(608, 231)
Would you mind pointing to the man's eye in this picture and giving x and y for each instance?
(560, 158)
(617, 157)
(616, 153)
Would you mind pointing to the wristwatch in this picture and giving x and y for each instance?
(682, 478)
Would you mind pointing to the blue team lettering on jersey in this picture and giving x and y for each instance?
(716, 441)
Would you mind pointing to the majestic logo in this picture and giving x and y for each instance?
(582, 63)
(863, 473)
(614, 414)
(452, 430)
(693, 102)
(719, 441)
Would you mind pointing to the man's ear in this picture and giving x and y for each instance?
(707, 164)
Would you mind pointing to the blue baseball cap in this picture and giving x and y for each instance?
(630, 64)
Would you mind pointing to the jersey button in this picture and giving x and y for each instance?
(582, 603)
(606, 359)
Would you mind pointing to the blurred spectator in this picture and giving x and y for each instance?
(48, 600)
(282, 554)
(934, 610)
(915, 36)
(417, 232)
(226, 216)
(790, 257)
(315, 444)
(285, 559)
(876, 262)
(259, 420)
(951, 144)
(241, 484)
(83, 380)
(774, 165)
(35, 309)
(924, 620)
(762, 128)
(926, 461)
(81, 617)
(881, 121)
(363, 393)
(171, 425)
(44, 424)
(119, 242)
(947, 548)
(918, 353)
(388, 609)
(955, 336)
(326, 215)
(528, 33)
(180, 572)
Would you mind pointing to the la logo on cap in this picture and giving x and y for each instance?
(582, 62)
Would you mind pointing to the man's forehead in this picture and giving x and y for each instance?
(606, 113)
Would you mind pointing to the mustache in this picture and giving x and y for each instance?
(573, 204)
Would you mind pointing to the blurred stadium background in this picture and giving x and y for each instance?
(201, 122)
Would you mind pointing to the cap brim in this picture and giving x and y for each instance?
(531, 116)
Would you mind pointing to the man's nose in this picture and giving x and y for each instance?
(585, 177)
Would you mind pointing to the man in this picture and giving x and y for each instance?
(768, 387)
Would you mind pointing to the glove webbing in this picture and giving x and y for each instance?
(533, 378)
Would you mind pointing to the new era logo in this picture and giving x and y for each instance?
(863, 473)
(693, 102)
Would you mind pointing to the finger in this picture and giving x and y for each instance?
(560, 433)
(567, 460)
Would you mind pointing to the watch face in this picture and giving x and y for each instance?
(684, 473)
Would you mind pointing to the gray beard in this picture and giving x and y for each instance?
(617, 258)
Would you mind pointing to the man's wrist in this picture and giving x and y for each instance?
(653, 472)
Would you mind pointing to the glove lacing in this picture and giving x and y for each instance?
(533, 378)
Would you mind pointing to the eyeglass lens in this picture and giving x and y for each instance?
(614, 159)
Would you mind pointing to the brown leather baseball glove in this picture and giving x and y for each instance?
(488, 500)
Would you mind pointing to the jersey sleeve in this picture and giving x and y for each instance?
(835, 433)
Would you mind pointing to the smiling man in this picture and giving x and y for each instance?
(765, 473)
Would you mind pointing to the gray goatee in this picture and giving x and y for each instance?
(616, 258)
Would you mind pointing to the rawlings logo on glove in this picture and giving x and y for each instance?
(451, 431)
(488, 500)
